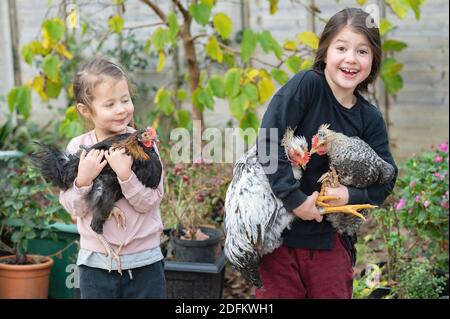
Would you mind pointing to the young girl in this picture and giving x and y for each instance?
(101, 90)
(314, 260)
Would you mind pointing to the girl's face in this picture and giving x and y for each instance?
(348, 61)
(112, 108)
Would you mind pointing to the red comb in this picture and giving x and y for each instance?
(315, 140)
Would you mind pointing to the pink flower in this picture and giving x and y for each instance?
(444, 204)
(401, 203)
(443, 147)
(438, 159)
(412, 184)
(417, 199)
(446, 194)
(426, 203)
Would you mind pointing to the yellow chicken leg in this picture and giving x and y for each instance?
(347, 209)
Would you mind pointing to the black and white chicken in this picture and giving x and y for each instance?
(254, 216)
(353, 163)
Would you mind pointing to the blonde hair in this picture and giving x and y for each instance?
(90, 74)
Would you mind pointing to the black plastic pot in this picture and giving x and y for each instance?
(202, 251)
(186, 280)
(443, 273)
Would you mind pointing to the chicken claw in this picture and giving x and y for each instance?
(119, 216)
(347, 209)
(111, 253)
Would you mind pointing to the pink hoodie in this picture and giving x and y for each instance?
(140, 206)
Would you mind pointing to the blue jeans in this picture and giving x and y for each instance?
(147, 282)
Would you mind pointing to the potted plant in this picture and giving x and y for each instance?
(25, 215)
(193, 211)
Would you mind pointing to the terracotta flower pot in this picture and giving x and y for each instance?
(25, 281)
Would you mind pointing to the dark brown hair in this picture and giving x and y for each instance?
(93, 72)
(361, 22)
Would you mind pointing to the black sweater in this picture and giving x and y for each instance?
(304, 103)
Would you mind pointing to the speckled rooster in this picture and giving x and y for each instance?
(352, 163)
(61, 169)
(254, 216)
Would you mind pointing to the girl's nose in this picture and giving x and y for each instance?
(350, 56)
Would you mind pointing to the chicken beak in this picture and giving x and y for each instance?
(303, 165)
(313, 151)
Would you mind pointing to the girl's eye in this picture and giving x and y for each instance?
(125, 101)
(109, 105)
(340, 48)
(363, 52)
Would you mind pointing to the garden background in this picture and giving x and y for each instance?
(259, 44)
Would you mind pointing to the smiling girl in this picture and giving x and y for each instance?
(314, 260)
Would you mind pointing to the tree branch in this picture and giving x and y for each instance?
(182, 9)
(144, 26)
(156, 9)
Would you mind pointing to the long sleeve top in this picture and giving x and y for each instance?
(304, 103)
(140, 205)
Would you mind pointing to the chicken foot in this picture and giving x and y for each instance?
(330, 179)
(111, 253)
(119, 216)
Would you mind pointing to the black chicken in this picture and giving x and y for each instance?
(61, 169)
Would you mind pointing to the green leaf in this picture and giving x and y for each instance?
(27, 53)
(228, 58)
(71, 113)
(393, 83)
(250, 120)
(237, 106)
(390, 67)
(174, 28)
(309, 38)
(148, 44)
(183, 118)
(161, 61)
(196, 101)
(306, 64)
(217, 86)
(415, 5)
(213, 49)
(19, 98)
(248, 44)
(51, 66)
(251, 92)
(54, 29)
(266, 88)
(232, 79)
(164, 101)
(361, 2)
(205, 98)
(280, 76)
(115, 24)
(268, 43)
(53, 89)
(293, 63)
(160, 37)
(393, 45)
(400, 7)
(181, 95)
(385, 27)
(200, 12)
(209, 3)
(223, 25)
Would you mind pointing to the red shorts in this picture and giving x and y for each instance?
(307, 273)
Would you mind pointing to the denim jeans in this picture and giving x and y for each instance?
(147, 282)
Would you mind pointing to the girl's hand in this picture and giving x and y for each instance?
(89, 167)
(341, 192)
(120, 162)
(308, 210)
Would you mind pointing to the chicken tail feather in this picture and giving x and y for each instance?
(55, 166)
